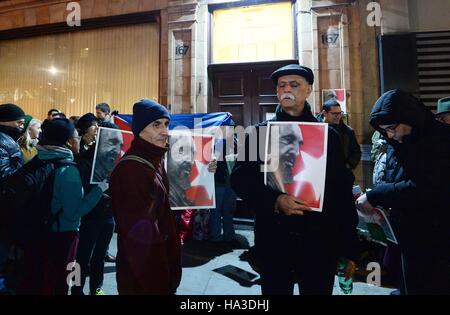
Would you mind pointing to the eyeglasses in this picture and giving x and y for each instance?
(336, 114)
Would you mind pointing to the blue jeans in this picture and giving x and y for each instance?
(222, 216)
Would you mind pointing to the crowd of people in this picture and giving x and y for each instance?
(66, 219)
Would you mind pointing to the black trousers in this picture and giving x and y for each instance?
(295, 259)
(95, 236)
(426, 273)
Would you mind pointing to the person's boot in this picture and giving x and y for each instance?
(110, 258)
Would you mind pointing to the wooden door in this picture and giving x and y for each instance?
(245, 90)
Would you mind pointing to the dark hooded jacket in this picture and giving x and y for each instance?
(333, 231)
(351, 148)
(417, 186)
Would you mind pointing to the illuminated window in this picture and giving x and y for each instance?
(255, 33)
(75, 71)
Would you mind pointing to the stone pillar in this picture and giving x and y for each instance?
(186, 64)
(350, 62)
(307, 44)
(370, 86)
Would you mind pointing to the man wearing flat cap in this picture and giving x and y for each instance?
(443, 110)
(294, 244)
(149, 250)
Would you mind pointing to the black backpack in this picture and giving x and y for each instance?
(26, 198)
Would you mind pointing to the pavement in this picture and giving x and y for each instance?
(209, 269)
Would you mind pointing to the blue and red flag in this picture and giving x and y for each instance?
(190, 121)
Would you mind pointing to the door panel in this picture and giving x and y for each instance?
(245, 90)
(235, 109)
(231, 84)
(265, 96)
(231, 94)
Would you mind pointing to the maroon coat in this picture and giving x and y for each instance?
(149, 250)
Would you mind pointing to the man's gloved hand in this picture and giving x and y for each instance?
(103, 185)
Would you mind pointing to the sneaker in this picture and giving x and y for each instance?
(98, 291)
(110, 258)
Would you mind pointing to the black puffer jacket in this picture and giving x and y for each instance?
(335, 226)
(11, 158)
(417, 187)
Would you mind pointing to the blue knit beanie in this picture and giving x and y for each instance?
(146, 111)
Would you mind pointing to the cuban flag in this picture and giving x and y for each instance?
(123, 121)
(189, 121)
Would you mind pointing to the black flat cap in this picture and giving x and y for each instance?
(293, 69)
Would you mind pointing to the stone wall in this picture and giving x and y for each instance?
(23, 13)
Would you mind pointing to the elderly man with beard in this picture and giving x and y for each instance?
(293, 244)
(180, 160)
(289, 145)
(109, 146)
